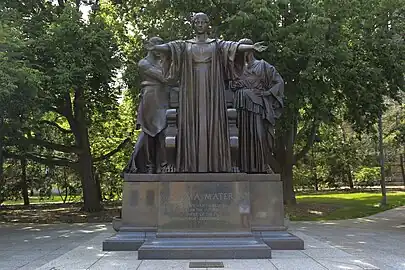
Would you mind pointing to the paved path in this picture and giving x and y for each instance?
(376, 242)
(28, 246)
(378, 239)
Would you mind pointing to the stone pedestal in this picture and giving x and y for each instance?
(202, 216)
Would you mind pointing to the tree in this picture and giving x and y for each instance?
(79, 61)
(19, 82)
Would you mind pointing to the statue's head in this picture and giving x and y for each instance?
(248, 41)
(200, 22)
(154, 41)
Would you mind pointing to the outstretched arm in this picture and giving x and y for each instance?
(255, 47)
(245, 48)
(162, 48)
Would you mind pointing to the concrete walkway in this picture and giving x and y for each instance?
(376, 242)
(378, 239)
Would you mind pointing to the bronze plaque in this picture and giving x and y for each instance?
(204, 206)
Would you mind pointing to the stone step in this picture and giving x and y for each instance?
(204, 248)
(235, 234)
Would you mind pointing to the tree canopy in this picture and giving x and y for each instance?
(69, 84)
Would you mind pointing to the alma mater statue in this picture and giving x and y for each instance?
(201, 65)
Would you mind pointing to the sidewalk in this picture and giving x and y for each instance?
(376, 242)
(316, 256)
(378, 239)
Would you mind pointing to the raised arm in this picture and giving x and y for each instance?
(255, 47)
(161, 48)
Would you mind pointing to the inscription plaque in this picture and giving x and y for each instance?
(204, 206)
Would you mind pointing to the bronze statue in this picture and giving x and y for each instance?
(202, 65)
(149, 152)
(259, 101)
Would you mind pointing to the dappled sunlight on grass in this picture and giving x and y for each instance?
(335, 206)
(56, 213)
(315, 212)
(38, 200)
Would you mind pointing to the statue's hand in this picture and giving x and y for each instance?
(259, 47)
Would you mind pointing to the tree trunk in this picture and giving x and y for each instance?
(1, 161)
(24, 184)
(89, 185)
(98, 183)
(78, 124)
(382, 170)
(401, 160)
(350, 177)
(349, 167)
(288, 187)
(287, 168)
(314, 174)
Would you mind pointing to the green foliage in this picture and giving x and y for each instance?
(367, 176)
(78, 55)
(19, 81)
(105, 135)
(62, 79)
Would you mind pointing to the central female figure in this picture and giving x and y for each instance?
(202, 65)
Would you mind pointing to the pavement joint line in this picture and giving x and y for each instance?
(40, 257)
(96, 261)
(319, 263)
(139, 265)
(273, 264)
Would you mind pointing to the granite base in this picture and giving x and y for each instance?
(132, 241)
(202, 216)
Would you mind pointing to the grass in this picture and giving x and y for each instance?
(315, 206)
(333, 206)
(51, 213)
(37, 200)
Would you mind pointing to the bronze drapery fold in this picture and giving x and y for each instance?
(202, 67)
(259, 101)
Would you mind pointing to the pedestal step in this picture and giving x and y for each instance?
(204, 248)
(124, 241)
(235, 234)
(281, 240)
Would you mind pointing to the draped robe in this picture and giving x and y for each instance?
(202, 68)
(259, 101)
(149, 150)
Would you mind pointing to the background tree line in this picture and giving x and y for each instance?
(69, 87)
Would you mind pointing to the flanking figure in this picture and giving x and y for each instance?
(258, 100)
(149, 154)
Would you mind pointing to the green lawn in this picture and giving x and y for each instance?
(319, 206)
(334, 206)
(36, 200)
